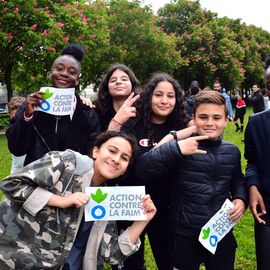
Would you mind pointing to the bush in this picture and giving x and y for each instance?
(4, 121)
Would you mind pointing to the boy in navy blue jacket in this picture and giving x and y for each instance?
(207, 172)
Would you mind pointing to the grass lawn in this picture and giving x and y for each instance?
(245, 257)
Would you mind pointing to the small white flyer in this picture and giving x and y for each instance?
(58, 101)
(115, 203)
(217, 227)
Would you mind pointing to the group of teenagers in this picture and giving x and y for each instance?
(130, 137)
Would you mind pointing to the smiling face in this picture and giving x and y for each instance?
(111, 159)
(163, 101)
(65, 72)
(210, 119)
(119, 84)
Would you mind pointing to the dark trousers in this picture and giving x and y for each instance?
(189, 254)
(262, 241)
(158, 235)
(241, 117)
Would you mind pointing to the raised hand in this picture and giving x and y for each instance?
(189, 146)
(127, 110)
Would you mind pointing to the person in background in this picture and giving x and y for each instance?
(193, 91)
(218, 88)
(257, 177)
(256, 99)
(207, 171)
(240, 112)
(34, 133)
(265, 98)
(14, 103)
(118, 83)
(43, 227)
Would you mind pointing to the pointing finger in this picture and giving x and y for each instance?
(198, 151)
(200, 138)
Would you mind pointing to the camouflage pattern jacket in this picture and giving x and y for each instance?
(35, 236)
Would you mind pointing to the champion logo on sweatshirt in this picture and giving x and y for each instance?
(145, 143)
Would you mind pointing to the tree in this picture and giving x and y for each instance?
(214, 47)
(136, 40)
(34, 32)
(205, 42)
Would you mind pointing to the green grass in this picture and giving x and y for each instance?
(245, 256)
(5, 160)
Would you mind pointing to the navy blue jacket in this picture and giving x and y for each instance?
(201, 182)
(257, 153)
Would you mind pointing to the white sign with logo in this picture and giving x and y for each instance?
(217, 227)
(115, 203)
(58, 101)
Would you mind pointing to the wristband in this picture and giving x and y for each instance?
(173, 132)
(116, 122)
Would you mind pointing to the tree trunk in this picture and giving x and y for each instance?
(7, 76)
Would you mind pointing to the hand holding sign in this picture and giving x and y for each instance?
(56, 101)
(118, 203)
(217, 227)
(148, 207)
(32, 101)
(238, 210)
(189, 146)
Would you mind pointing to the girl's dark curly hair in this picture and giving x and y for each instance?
(176, 120)
(104, 103)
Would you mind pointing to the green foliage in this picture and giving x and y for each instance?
(137, 41)
(5, 160)
(214, 47)
(183, 39)
(33, 33)
(4, 121)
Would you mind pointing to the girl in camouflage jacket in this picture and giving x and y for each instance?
(43, 209)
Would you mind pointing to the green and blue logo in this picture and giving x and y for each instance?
(98, 212)
(213, 239)
(45, 105)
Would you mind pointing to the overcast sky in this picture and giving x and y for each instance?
(250, 11)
